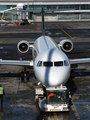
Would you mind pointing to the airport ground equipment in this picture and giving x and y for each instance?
(53, 99)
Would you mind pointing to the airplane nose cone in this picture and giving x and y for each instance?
(56, 77)
(53, 76)
(54, 81)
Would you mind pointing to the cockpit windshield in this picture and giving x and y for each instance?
(39, 64)
(57, 96)
(58, 63)
(52, 64)
(65, 63)
(48, 64)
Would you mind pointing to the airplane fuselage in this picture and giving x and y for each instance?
(51, 65)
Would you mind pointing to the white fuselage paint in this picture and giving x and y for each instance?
(47, 50)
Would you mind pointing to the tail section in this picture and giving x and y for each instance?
(43, 24)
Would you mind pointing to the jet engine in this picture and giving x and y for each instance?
(23, 46)
(66, 45)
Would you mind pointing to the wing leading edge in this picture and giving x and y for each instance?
(82, 60)
(16, 62)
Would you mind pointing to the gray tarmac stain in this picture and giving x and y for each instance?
(88, 87)
(58, 33)
(83, 111)
(63, 37)
(84, 36)
(5, 52)
(49, 33)
(1, 47)
(86, 31)
(25, 109)
(18, 109)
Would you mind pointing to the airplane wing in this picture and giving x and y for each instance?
(82, 60)
(16, 62)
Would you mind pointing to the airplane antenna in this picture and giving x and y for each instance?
(43, 26)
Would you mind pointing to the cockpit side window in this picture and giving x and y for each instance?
(39, 64)
(48, 64)
(65, 63)
(58, 63)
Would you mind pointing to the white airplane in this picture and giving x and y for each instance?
(51, 65)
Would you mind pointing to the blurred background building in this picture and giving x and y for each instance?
(80, 10)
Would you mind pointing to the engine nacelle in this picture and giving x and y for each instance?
(23, 46)
(66, 45)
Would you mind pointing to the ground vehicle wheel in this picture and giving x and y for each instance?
(22, 76)
(27, 75)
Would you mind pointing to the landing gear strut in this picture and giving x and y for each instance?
(24, 75)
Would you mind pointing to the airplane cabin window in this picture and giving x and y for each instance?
(58, 63)
(39, 63)
(65, 63)
(48, 64)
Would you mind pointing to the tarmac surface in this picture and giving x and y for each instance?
(19, 101)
